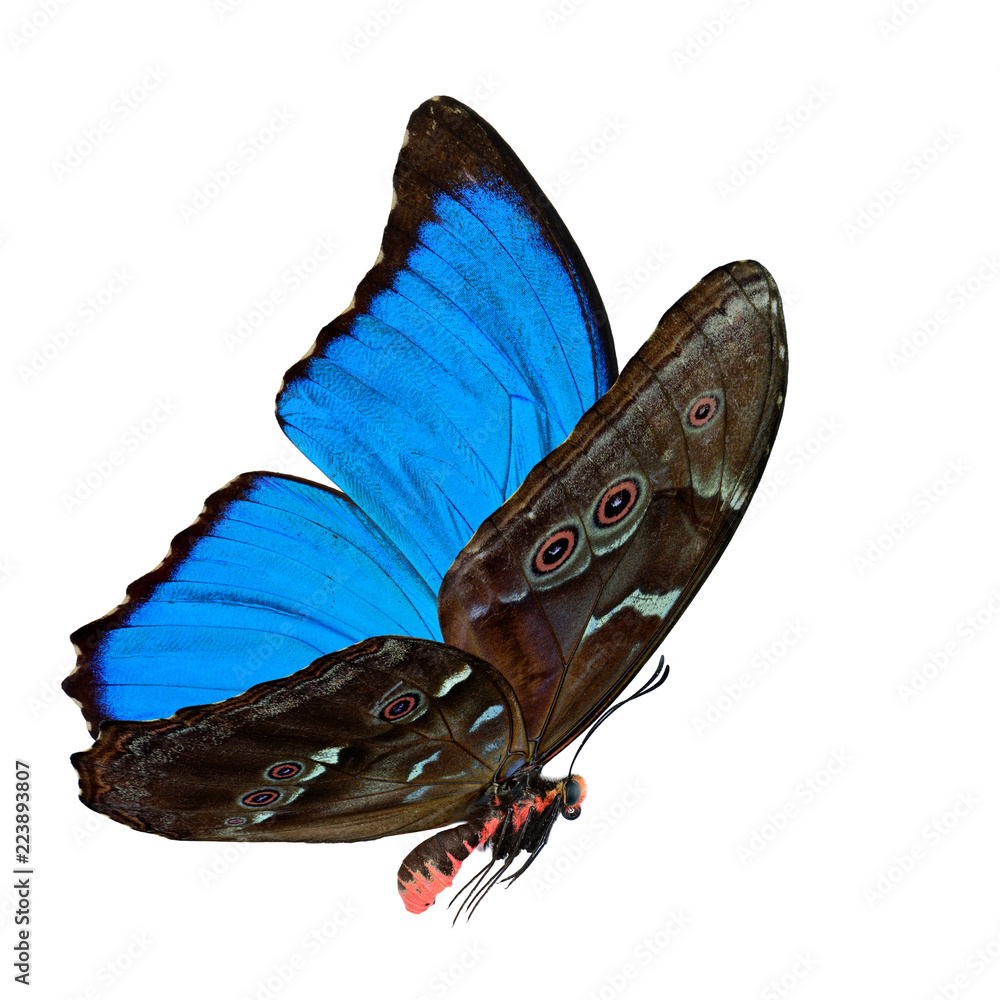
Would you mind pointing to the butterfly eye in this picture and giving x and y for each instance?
(703, 410)
(616, 503)
(261, 797)
(399, 707)
(286, 769)
(555, 550)
(575, 791)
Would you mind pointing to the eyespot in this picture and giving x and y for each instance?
(702, 410)
(286, 769)
(236, 820)
(555, 550)
(261, 797)
(400, 707)
(616, 503)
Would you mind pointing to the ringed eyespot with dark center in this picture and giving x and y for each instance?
(286, 769)
(236, 821)
(616, 503)
(703, 410)
(554, 551)
(261, 797)
(399, 707)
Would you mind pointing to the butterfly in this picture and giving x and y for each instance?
(519, 529)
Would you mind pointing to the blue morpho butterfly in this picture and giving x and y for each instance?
(307, 665)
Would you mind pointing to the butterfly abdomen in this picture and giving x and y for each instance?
(432, 865)
(517, 818)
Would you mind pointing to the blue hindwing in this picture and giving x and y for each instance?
(275, 573)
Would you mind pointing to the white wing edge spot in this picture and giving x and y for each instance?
(648, 605)
(420, 765)
(449, 682)
(328, 756)
(491, 713)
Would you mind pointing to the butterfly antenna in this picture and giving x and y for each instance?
(659, 676)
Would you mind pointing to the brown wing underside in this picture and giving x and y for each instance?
(387, 736)
(566, 596)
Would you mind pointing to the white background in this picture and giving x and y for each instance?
(874, 548)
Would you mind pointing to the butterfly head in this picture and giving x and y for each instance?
(572, 792)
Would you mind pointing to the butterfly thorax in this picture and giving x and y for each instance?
(516, 816)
